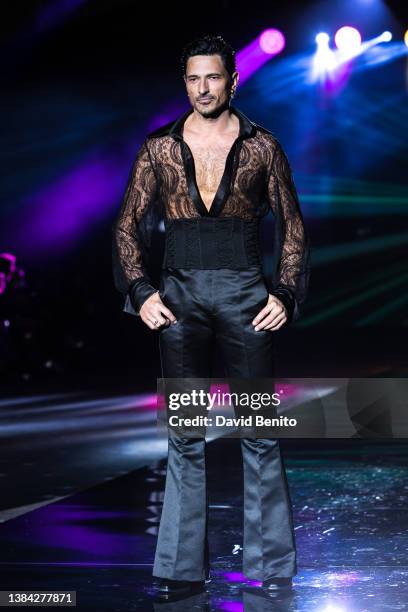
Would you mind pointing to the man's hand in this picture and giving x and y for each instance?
(155, 314)
(272, 316)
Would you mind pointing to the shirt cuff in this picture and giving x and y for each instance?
(287, 297)
(288, 300)
(139, 291)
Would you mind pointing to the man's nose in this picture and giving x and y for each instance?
(203, 88)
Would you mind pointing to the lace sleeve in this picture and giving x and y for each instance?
(131, 234)
(290, 277)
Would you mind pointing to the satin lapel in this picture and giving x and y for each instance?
(189, 168)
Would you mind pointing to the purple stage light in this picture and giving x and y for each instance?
(234, 576)
(55, 12)
(347, 39)
(253, 56)
(61, 212)
(240, 577)
(10, 260)
(231, 606)
(10, 272)
(168, 113)
(272, 41)
(151, 401)
(221, 387)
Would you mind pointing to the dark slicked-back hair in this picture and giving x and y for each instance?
(210, 45)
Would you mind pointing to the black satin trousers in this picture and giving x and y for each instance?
(214, 310)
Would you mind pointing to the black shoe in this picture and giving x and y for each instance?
(277, 584)
(166, 587)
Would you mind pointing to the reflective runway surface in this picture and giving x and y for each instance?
(349, 497)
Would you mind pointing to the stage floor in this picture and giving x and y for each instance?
(83, 514)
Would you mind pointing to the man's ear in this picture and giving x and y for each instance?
(234, 84)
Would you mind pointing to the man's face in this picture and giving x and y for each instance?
(208, 83)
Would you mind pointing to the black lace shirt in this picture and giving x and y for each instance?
(162, 184)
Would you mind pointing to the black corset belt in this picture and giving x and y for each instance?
(212, 242)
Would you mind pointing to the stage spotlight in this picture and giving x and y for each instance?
(322, 39)
(347, 39)
(272, 41)
(406, 38)
(386, 36)
(323, 64)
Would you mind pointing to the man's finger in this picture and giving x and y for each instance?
(271, 320)
(274, 326)
(261, 314)
(152, 316)
(149, 324)
(167, 313)
(266, 310)
(155, 315)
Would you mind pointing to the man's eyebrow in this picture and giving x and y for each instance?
(209, 74)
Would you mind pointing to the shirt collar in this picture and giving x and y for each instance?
(246, 130)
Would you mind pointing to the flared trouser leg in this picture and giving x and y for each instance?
(269, 548)
(269, 544)
(186, 351)
(182, 551)
(214, 309)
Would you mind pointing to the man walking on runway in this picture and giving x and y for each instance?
(215, 174)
